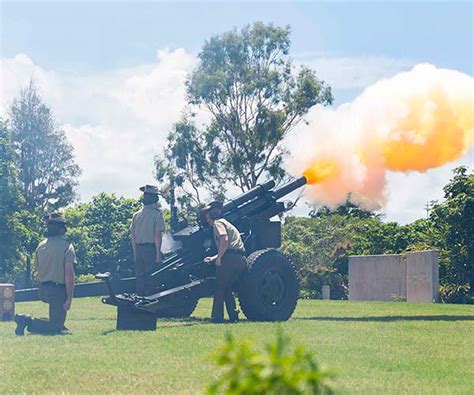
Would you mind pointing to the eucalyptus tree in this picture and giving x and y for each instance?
(255, 96)
(47, 170)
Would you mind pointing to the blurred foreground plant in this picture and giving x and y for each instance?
(279, 369)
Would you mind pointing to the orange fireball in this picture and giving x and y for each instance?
(321, 170)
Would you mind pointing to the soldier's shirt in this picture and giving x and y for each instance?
(51, 255)
(223, 227)
(146, 224)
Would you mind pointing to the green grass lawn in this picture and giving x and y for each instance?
(373, 347)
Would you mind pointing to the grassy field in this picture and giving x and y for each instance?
(373, 347)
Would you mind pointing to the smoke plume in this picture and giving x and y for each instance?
(414, 121)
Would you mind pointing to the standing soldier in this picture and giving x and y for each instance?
(54, 261)
(230, 262)
(146, 236)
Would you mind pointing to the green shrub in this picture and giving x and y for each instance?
(277, 370)
(454, 293)
(310, 294)
(85, 278)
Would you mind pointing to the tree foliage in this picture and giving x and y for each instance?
(18, 227)
(320, 246)
(189, 165)
(453, 222)
(46, 168)
(9, 204)
(247, 82)
(348, 209)
(37, 174)
(100, 232)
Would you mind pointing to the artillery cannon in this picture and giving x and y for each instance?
(267, 291)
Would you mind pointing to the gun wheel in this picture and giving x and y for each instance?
(269, 290)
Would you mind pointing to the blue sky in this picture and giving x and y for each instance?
(102, 35)
(113, 72)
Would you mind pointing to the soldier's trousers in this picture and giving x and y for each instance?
(227, 275)
(55, 296)
(145, 261)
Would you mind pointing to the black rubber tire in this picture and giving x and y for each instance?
(181, 307)
(269, 290)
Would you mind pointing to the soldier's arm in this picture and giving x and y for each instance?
(222, 248)
(132, 237)
(159, 229)
(222, 245)
(223, 241)
(69, 280)
(35, 261)
(134, 245)
(69, 261)
(158, 242)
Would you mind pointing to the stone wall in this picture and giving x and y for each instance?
(422, 276)
(413, 277)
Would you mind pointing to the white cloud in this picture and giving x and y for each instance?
(408, 193)
(146, 93)
(349, 73)
(116, 121)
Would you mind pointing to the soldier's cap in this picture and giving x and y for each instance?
(213, 205)
(55, 218)
(149, 189)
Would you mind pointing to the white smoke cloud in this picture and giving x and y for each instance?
(117, 120)
(416, 120)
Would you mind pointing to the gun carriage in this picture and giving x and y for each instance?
(267, 291)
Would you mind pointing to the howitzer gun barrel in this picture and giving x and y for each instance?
(286, 189)
(264, 201)
(247, 196)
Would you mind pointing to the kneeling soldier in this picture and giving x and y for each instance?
(54, 260)
(230, 262)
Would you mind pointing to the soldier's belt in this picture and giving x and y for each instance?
(52, 284)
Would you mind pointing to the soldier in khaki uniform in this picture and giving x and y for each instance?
(54, 261)
(146, 236)
(230, 262)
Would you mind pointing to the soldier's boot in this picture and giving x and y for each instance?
(22, 321)
(234, 316)
(65, 330)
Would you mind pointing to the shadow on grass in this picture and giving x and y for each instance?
(164, 323)
(391, 318)
(159, 328)
(64, 333)
(171, 323)
(191, 321)
(167, 323)
(95, 319)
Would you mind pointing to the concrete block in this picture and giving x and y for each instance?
(422, 276)
(326, 292)
(377, 277)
